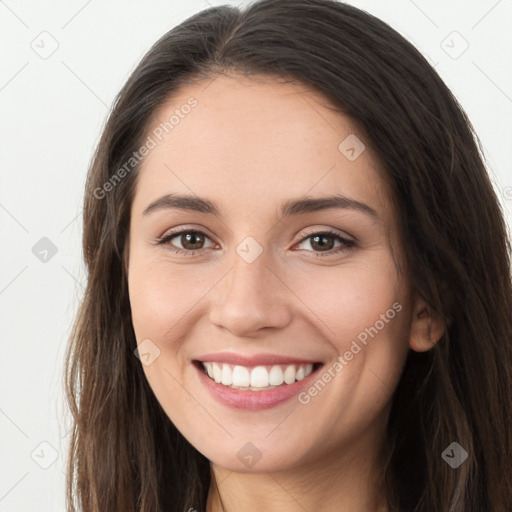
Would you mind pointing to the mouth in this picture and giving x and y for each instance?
(256, 378)
(254, 382)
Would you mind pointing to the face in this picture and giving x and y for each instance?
(292, 305)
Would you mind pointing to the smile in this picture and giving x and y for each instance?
(254, 382)
(257, 378)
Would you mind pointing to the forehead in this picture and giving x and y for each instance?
(247, 142)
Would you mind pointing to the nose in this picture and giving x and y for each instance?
(250, 298)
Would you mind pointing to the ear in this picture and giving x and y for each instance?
(427, 327)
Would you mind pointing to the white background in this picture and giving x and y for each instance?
(52, 113)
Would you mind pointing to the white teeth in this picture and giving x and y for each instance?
(257, 378)
(227, 375)
(289, 374)
(217, 372)
(241, 376)
(276, 376)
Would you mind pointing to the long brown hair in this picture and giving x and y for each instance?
(125, 454)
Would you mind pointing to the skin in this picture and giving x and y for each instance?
(250, 145)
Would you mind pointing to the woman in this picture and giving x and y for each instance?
(299, 285)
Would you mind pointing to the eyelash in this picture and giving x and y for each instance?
(346, 244)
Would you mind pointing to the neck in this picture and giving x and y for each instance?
(347, 480)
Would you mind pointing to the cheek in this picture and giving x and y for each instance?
(353, 297)
(362, 311)
(160, 297)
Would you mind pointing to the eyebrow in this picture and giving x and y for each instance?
(288, 208)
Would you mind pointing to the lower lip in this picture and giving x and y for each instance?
(253, 400)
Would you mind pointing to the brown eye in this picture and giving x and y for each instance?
(190, 241)
(324, 242)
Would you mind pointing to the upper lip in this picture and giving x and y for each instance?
(253, 360)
